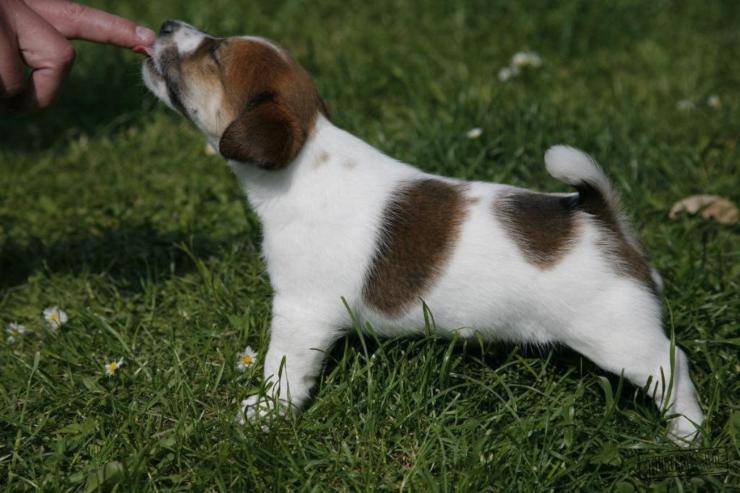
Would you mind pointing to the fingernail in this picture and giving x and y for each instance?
(145, 34)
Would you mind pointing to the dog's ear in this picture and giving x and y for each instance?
(266, 133)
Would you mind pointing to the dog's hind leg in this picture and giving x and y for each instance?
(624, 335)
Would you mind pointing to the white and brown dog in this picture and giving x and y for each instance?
(344, 221)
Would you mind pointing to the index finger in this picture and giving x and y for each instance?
(74, 20)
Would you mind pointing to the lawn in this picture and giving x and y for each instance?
(111, 209)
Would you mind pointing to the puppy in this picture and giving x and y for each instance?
(342, 220)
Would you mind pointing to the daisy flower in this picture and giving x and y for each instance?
(520, 61)
(15, 331)
(685, 105)
(526, 59)
(714, 102)
(474, 133)
(111, 368)
(506, 73)
(55, 317)
(246, 358)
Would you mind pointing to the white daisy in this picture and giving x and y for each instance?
(246, 358)
(506, 73)
(15, 331)
(526, 59)
(713, 101)
(685, 105)
(55, 317)
(111, 368)
(474, 133)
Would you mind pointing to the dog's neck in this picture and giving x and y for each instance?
(332, 163)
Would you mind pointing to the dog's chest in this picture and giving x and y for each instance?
(323, 234)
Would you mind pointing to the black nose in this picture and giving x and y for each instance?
(168, 27)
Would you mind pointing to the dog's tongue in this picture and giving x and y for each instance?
(143, 50)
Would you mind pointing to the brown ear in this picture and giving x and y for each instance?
(266, 134)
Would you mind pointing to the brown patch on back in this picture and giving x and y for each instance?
(542, 225)
(421, 224)
(629, 258)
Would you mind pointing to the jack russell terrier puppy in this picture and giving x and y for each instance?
(342, 220)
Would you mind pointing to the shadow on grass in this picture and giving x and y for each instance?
(101, 96)
(558, 361)
(128, 254)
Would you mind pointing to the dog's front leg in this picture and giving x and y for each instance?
(300, 337)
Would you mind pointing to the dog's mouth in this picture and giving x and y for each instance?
(149, 63)
(162, 69)
(144, 50)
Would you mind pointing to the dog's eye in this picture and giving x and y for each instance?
(212, 51)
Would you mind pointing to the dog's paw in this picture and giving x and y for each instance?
(682, 431)
(254, 408)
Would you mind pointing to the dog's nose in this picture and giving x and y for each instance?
(168, 27)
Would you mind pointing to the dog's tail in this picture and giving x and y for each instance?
(596, 196)
(578, 169)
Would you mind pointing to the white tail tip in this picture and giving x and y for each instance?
(574, 167)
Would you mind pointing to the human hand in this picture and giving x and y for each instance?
(35, 33)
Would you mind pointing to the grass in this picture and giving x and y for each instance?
(110, 208)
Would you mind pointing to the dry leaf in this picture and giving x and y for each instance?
(711, 207)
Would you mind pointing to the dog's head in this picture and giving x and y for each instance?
(243, 92)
